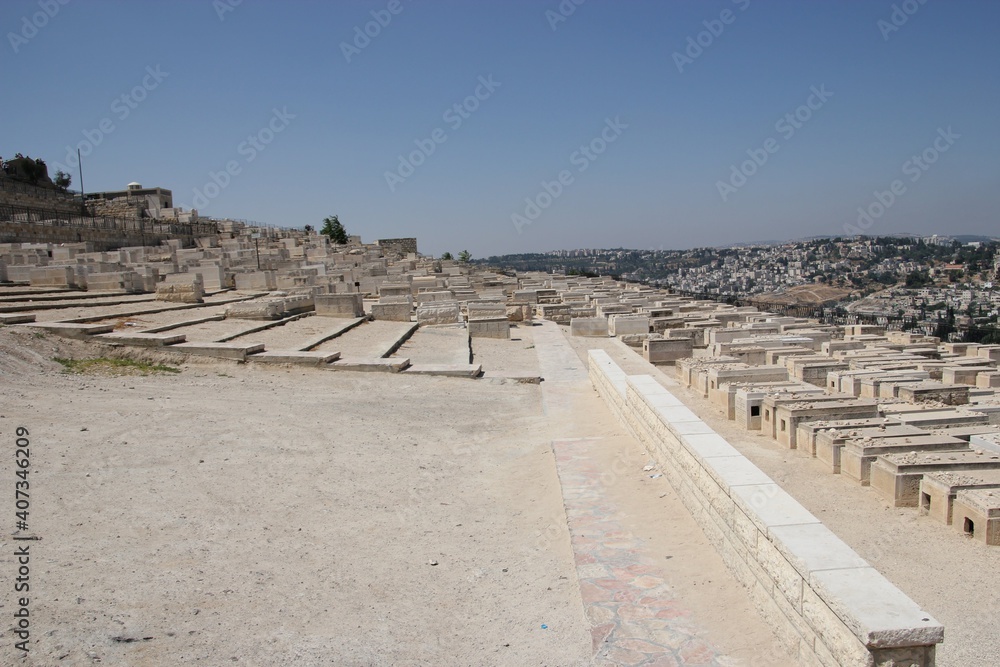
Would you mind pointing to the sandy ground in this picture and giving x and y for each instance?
(947, 574)
(516, 356)
(242, 514)
(236, 515)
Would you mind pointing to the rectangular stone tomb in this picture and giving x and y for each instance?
(828, 443)
(788, 416)
(498, 327)
(928, 391)
(938, 490)
(897, 476)
(340, 305)
(667, 351)
(594, 327)
(939, 418)
(857, 456)
(977, 514)
(439, 312)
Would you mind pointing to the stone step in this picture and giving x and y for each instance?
(72, 329)
(142, 339)
(383, 365)
(16, 319)
(449, 370)
(342, 327)
(297, 357)
(220, 350)
(183, 323)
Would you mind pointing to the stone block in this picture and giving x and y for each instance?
(394, 312)
(877, 613)
(182, 292)
(621, 325)
(340, 305)
(439, 312)
(593, 327)
(489, 328)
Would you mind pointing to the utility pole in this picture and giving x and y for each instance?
(256, 240)
(79, 161)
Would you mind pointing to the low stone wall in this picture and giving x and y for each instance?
(103, 239)
(824, 601)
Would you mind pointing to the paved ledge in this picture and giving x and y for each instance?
(450, 370)
(297, 357)
(183, 323)
(823, 598)
(393, 365)
(405, 336)
(168, 307)
(511, 378)
(72, 329)
(257, 328)
(342, 328)
(16, 319)
(142, 339)
(221, 350)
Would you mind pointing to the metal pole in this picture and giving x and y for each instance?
(79, 161)
(257, 247)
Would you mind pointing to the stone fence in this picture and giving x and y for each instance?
(32, 225)
(824, 601)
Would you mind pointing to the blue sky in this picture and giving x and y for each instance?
(602, 124)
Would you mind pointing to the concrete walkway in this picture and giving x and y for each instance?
(635, 617)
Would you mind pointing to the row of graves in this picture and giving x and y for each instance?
(272, 278)
(916, 419)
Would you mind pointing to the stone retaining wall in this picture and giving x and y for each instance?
(822, 598)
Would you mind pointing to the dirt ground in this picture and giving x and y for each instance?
(232, 514)
(242, 514)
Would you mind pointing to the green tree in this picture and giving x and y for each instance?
(446, 256)
(334, 229)
(62, 180)
(464, 256)
(309, 229)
